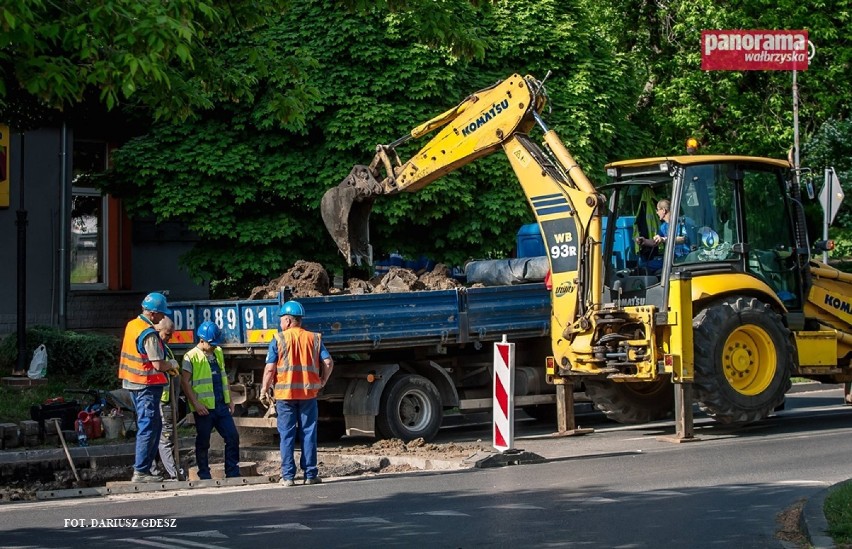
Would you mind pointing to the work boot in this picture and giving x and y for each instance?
(315, 480)
(287, 482)
(145, 477)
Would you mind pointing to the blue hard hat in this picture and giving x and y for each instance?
(292, 308)
(156, 302)
(209, 332)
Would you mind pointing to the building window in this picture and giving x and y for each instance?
(88, 217)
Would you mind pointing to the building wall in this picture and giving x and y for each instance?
(153, 259)
(41, 199)
(103, 312)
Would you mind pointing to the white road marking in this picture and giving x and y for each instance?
(285, 526)
(601, 500)
(360, 520)
(205, 534)
(166, 542)
(180, 542)
(804, 482)
(514, 506)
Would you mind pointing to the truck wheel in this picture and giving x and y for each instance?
(410, 408)
(633, 403)
(743, 360)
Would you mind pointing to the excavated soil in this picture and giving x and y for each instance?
(308, 279)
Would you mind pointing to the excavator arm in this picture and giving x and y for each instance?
(474, 128)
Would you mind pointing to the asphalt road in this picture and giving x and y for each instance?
(618, 487)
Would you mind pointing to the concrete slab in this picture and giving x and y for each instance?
(113, 488)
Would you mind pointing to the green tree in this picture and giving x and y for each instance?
(166, 56)
(831, 146)
(748, 112)
(253, 188)
(626, 82)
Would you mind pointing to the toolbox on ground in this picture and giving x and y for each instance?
(66, 412)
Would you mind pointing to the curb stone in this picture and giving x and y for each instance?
(813, 520)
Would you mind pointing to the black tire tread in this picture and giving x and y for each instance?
(620, 403)
(711, 388)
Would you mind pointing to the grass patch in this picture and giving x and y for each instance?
(838, 512)
(15, 403)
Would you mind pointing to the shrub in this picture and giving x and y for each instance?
(93, 358)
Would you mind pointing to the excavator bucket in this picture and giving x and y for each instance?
(346, 210)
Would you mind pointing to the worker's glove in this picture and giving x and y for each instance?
(266, 400)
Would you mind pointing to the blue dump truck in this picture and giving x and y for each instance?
(401, 359)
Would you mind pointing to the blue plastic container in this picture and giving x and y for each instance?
(529, 241)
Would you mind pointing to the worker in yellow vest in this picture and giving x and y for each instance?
(204, 381)
(300, 366)
(142, 367)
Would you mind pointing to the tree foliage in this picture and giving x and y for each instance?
(831, 147)
(748, 112)
(323, 87)
(175, 58)
(254, 189)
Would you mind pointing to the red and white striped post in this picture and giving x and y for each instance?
(504, 396)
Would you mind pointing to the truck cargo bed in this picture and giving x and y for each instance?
(352, 323)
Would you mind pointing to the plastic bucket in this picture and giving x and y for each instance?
(113, 426)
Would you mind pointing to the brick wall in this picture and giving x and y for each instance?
(9, 322)
(102, 311)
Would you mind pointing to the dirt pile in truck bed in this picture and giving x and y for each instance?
(308, 279)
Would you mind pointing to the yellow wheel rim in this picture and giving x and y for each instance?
(749, 360)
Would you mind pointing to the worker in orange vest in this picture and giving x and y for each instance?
(300, 366)
(142, 368)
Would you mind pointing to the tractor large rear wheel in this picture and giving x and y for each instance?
(633, 403)
(744, 359)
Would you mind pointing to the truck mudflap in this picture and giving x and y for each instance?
(363, 397)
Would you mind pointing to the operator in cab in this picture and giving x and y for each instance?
(681, 240)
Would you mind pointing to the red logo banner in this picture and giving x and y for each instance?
(754, 50)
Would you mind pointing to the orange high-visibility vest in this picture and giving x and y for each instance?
(298, 368)
(134, 365)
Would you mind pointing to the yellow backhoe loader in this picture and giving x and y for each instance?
(727, 296)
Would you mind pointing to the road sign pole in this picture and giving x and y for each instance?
(826, 212)
(795, 127)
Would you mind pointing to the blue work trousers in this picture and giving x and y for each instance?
(220, 419)
(149, 424)
(298, 416)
